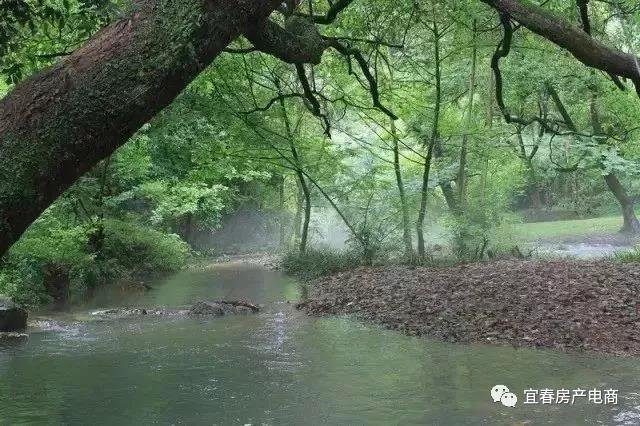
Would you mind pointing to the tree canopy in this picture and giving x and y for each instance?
(397, 119)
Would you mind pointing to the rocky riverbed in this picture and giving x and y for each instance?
(201, 310)
(565, 305)
(216, 308)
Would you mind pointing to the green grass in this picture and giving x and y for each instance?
(567, 228)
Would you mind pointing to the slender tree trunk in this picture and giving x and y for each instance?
(304, 236)
(354, 232)
(433, 143)
(57, 125)
(406, 227)
(535, 196)
(422, 213)
(445, 186)
(283, 233)
(527, 159)
(297, 220)
(299, 173)
(462, 171)
(489, 123)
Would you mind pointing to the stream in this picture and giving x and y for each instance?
(280, 367)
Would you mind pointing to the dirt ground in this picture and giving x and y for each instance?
(565, 305)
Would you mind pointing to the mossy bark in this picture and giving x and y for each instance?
(58, 124)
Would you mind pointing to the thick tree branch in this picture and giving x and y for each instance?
(298, 43)
(502, 51)
(585, 48)
(57, 125)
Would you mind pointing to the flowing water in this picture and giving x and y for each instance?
(281, 367)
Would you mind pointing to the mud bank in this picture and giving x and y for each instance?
(584, 306)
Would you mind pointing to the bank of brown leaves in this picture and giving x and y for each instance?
(564, 305)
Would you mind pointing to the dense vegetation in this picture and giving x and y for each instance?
(425, 132)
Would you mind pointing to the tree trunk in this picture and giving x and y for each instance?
(59, 123)
(423, 202)
(631, 225)
(630, 221)
(406, 227)
(462, 170)
(307, 212)
(187, 228)
(450, 197)
(299, 172)
(282, 213)
(433, 143)
(582, 45)
(297, 220)
(534, 195)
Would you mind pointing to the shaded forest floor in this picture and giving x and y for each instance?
(565, 305)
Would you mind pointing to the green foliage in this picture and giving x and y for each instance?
(141, 250)
(247, 136)
(34, 33)
(315, 262)
(129, 251)
(632, 256)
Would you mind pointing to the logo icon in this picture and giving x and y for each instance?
(500, 393)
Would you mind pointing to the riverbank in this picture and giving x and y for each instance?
(564, 305)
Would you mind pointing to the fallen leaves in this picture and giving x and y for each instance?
(567, 305)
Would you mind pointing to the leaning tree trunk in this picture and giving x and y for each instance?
(631, 225)
(58, 124)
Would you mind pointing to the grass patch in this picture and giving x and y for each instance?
(632, 256)
(528, 232)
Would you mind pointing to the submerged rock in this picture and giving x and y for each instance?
(13, 336)
(12, 316)
(200, 309)
(208, 308)
(135, 312)
(220, 308)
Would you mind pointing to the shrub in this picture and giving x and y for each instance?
(315, 262)
(51, 249)
(628, 256)
(46, 243)
(130, 247)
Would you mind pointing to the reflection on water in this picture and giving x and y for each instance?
(280, 367)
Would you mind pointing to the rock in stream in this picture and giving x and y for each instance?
(199, 309)
(12, 316)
